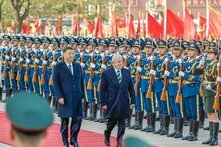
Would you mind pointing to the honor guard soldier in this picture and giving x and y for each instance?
(134, 68)
(35, 67)
(149, 102)
(64, 42)
(5, 67)
(209, 86)
(190, 91)
(99, 61)
(158, 72)
(173, 75)
(74, 44)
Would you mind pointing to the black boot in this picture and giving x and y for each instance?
(175, 127)
(152, 122)
(93, 113)
(214, 140)
(103, 118)
(90, 112)
(194, 136)
(161, 126)
(140, 121)
(158, 117)
(98, 119)
(7, 95)
(179, 133)
(202, 119)
(128, 120)
(0, 93)
(136, 121)
(85, 107)
(206, 128)
(190, 131)
(210, 134)
(148, 115)
(165, 130)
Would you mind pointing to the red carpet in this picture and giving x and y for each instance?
(86, 138)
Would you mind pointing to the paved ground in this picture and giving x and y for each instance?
(161, 141)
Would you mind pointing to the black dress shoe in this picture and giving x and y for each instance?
(75, 144)
(107, 141)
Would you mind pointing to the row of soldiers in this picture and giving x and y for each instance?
(177, 76)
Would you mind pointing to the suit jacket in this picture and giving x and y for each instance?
(116, 95)
(70, 87)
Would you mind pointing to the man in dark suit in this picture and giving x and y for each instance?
(69, 89)
(116, 86)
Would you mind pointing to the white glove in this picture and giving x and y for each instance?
(7, 57)
(218, 64)
(54, 63)
(181, 74)
(82, 65)
(139, 68)
(44, 62)
(125, 56)
(151, 58)
(103, 66)
(218, 79)
(180, 61)
(202, 62)
(13, 58)
(208, 87)
(166, 73)
(21, 60)
(28, 60)
(92, 65)
(153, 72)
(81, 54)
(36, 61)
(138, 57)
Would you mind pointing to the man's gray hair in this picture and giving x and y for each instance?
(115, 56)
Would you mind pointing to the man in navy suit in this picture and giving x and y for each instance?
(116, 86)
(69, 89)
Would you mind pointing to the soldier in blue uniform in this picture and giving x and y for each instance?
(149, 102)
(173, 76)
(164, 110)
(190, 91)
(134, 66)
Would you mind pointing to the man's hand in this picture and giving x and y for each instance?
(104, 107)
(132, 105)
(61, 101)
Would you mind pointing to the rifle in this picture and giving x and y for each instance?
(13, 65)
(20, 66)
(27, 67)
(6, 64)
(89, 86)
(54, 60)
(44, 68)
(126, 61)
(150, 87)
(137, 76)
(216, 104)
(164, 92)
(34, 78)
(103, 63)
(179, 94)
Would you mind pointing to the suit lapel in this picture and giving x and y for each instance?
(66, 68)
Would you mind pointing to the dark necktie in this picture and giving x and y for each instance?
(69, 66)
(119, 76)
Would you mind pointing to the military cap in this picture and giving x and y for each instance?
(193, 46)
(132, 141)
(161, 44)
(6, 37)
(15, 38)
(103, 43)
(185, 44)
(22, 38)
(38, 40)
(150, 43)
(127, 43)
(55, 40)
(200, 45)
(29, 112)
(178, 45)
(212, 45)
(65, 39)
(74, 41)
(46, 40)
(83, 41)
(206, 42)
(30, 39)
(93, 42)
(114, 43)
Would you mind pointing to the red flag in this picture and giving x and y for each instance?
(154, 28)
(138, 25)
(98, 29)
(202, 26)
(174, 25)
(114, 32)
(42, 27)
(121, 23)
(58, 26)
(26, 28)
(75, 25)
(131, 30)
(13, 26)
(36, 25)
(189, 27)
(144, 29)
(90, 26)
(214, 23)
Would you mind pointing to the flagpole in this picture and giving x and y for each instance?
(207, 19)
(165, 18)
(129, 17)
(147, 19)
(184, 7)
